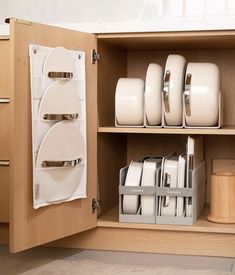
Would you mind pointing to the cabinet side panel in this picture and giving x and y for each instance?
(111, 66)
(111, 157)
(4, 129)
(30, 227)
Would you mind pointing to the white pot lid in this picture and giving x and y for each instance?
(62, 143)
(60, 97)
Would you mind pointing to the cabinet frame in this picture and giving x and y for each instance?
(107, 234)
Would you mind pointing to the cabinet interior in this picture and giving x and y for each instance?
(123, 56)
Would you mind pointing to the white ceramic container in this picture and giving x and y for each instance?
(152, 96)
(173, 89)
(129, 102)
(201, 95)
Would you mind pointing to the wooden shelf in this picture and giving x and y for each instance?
(175, 131)
(110, 219)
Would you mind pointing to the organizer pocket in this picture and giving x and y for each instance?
(55, 185)
(60, 102)
(59, 64)
(60, 165)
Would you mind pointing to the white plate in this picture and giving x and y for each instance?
(129, 102)
(153, 89)
(150, 177)
(175, 65)
(203, 94)
(60, 97)
(133, 178)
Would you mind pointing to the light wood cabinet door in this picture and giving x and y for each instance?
(30, 227)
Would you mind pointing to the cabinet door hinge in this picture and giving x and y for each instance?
(95, 205)
(94, 56)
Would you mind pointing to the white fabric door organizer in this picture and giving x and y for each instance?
(58, 125)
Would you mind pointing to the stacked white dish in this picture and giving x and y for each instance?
(166, 189)
(181, 96)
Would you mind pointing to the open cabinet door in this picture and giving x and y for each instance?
(31, 227)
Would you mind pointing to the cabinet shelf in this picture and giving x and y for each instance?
(110, 220)
(135, 130)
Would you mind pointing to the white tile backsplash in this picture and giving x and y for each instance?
(151, 9)
(124, 15)
(112, 10)
(230, 7)
(41, 11)
(173, 8)
(194, 8)
(215, 7)
(12, 8)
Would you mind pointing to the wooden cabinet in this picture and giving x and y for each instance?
(109, 148)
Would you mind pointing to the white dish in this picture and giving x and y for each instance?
(150, 177)
(153, 89)
(201, 95)
(129, 102)
(168, 203)
(133, 178)
(181, 184)
(173, 89)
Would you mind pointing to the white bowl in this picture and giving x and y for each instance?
(175, 69)
(203, 92)
(153, 89)
(133, 178)
(129, 102)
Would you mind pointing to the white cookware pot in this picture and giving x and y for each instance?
(129, 102)
(152, 96)
(201, 94)
(173, 89)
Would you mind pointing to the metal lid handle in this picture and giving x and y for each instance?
(166, 85)
(61, 163)
(60, 75)
(187, 94)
